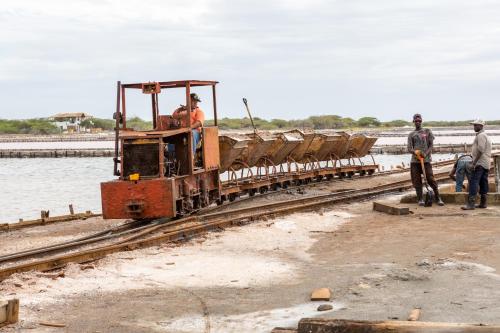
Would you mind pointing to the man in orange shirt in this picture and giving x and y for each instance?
(197, 119)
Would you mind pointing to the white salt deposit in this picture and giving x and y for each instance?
(260, 254)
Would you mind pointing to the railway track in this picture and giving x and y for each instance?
(132, 237)
(437, 164)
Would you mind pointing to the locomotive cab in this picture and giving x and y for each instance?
(160, 173)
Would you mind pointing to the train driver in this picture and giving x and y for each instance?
(197, 119)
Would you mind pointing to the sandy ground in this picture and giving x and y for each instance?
(259, 276)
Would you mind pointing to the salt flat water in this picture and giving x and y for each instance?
(30, 185)
(439, 140)
(394, 140)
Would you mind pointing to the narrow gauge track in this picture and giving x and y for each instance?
(437, 164)
(188, 227)
(139, 228)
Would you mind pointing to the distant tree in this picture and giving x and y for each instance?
(28, 126)
(396, 123)
(139, 124)
(368, 122)
(280, 123)
(105, 124)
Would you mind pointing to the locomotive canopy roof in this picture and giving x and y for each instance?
(154, 88)
(173, 84)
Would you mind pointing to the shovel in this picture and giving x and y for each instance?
(429, 195)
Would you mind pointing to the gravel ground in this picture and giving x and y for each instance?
(256, 277)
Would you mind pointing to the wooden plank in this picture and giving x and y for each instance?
(9, 312)
(323, 325)
(390, 209)
(13, 311)
(3, 312)
(31, 223)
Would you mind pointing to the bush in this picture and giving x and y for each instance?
(29, 126)
(105, 124)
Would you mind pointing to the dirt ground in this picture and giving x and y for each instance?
(259, 276)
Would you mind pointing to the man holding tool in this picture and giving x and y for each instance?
(481, 153)
(420, 146)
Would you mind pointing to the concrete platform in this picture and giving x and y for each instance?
(455, 198)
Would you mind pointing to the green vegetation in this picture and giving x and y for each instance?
(331, 122)
(139, 124)
(44, 126)
(29, 126)
(105, 124)
(109, 124)
(316, 122)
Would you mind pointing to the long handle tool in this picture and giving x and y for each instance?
(429, 195)
(250, 115)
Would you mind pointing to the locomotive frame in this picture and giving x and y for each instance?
(153, 183)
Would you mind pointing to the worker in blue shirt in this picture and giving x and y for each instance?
(461, 169)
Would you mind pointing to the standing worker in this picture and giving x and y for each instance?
(481, 154)
(420, 146)
(461, 169)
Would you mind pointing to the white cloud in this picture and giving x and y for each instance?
(390, 51)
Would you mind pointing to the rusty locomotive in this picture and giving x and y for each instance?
(161, 174)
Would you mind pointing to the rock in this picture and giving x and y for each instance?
(19, 285)
(85, 267)
(321, 294)
(170, 263)
(424, 262)
(405, 275)
(325, 307)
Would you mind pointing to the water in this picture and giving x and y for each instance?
(58, 145)
(495, 138)
(34, 184)
(440, 140)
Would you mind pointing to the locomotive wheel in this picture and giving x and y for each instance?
(362, 172)
(263, 189)
(275, 187)
(232, 197)
(350, 174)
(371, 172)
(329, 177)
(251, 192)
(285, 185)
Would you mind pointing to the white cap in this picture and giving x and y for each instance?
(477, 121)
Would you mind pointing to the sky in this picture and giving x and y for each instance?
(291, 59)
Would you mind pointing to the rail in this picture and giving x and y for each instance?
(161, 231)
